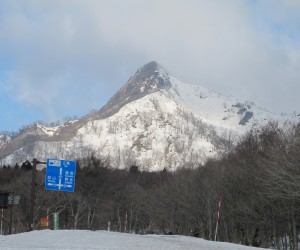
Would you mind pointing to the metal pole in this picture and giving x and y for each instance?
(218, 217)
(10, 218)
(11, 200)
(2, 221)
(31, 215)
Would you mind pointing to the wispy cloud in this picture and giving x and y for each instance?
(66, 57)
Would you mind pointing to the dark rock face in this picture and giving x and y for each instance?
(244, 109)
(148, 79)
(246, 118)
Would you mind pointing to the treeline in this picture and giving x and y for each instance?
(259, 182)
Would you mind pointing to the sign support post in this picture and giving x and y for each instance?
(10, 218)
(1, 231)
(31, 215)
(32, 197)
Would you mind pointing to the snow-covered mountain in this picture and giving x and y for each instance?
(154, 121)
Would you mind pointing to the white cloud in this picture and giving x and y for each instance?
(88, 49)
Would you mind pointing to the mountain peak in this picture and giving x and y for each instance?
(152, 68)
(150, 78)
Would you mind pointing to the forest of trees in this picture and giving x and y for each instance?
(259, 182)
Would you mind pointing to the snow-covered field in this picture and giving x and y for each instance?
(76, 239)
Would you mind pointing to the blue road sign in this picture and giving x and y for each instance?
(60, 175)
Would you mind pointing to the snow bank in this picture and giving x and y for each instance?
(76, 239)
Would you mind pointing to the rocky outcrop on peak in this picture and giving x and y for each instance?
(148, 79)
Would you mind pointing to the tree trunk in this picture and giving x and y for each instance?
(130, 220)
(90, 216)
(295, 234)
(119, 221)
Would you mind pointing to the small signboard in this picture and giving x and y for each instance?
(4, 199)
(44, 222)
(14, 199)
(60, 175)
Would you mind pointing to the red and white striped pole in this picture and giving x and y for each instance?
(218, 216)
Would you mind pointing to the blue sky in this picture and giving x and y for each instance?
(64, 58)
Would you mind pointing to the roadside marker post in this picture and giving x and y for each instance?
(218, 216)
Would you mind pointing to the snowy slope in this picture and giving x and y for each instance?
(153, 132)
(50, 131)
(75, 239)
(4, 139)
(222, 112)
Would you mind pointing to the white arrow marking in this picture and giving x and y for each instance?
(59, 178)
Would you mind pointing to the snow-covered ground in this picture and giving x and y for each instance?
(76, 239)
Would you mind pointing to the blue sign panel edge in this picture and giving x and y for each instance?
(58, 172)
